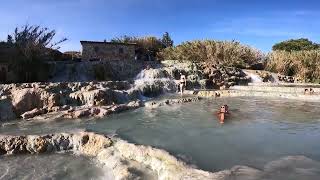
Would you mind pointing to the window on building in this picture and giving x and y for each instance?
(121, 51)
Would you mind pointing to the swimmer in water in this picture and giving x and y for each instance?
(309, 91)
(222, 113)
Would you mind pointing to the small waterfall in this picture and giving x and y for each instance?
(275, 78)
(152, 74)
(254, 77)
(153, 82)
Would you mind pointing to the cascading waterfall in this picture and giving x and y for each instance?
(254, 77)
(152, 82)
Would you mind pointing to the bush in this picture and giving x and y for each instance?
(147, 47)
(166, 40)
(295, 45)
(214, 53)
(27, 49)
(302, 64)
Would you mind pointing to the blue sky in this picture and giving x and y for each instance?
(254, 22)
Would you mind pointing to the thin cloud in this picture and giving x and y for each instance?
(270, 25)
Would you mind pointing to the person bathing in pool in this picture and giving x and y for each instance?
(223, 113)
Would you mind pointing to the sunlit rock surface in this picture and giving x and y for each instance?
(33, 99)
(155, 104)
(117, 155)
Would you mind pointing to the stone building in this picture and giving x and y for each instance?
(3, 72)
(93, 50)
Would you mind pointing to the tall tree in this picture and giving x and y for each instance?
(166, 40)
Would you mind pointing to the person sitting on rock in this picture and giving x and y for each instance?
(182, 83)
(222, 113)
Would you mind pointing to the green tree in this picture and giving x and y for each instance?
(296, 45)
(166, 40)
(147, 47)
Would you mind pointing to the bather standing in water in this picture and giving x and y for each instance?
(223, 113)
(309, 91)
(182, 83)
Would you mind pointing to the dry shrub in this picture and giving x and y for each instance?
(212, 52)
(302, 64)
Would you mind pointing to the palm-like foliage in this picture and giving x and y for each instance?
(32, 46)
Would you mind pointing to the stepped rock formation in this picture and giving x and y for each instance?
(32, 99)
(152, 82)
(124, 159)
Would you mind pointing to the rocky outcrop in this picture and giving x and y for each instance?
(289, 79)
(69, 112)
(101, 111)
(86, 143)
(24, 100)
(33, 99)
(33, 113)
(295, 92)
(198, 76)
(266, 76)
(155, 104)
(114, 154)
(225, 77)
(124, 159)
(98, 97)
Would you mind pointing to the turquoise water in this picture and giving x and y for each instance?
(258, 131)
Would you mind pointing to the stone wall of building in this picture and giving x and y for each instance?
(3, 73)
(107, 51)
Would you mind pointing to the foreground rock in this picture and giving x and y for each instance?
(124, 159)
(67, 112)
(155, 104)
(152, 82)
(114, 154)
(24, 100)
(33, 113)
(32, 99)
(102, 111)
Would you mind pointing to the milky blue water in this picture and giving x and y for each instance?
(258, 131)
